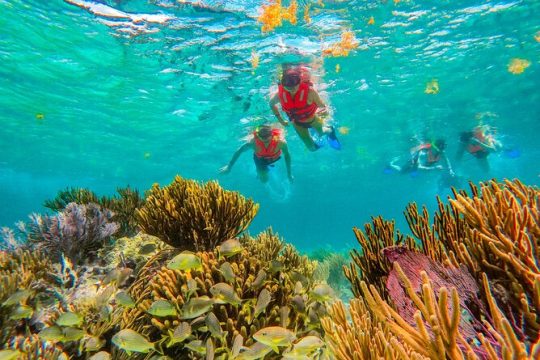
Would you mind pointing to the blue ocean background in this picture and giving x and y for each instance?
(96, 101)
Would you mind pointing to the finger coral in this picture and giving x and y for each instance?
(189, 215)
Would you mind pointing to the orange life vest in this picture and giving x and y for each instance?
(270, 152)
(297, 108)
(431, 158)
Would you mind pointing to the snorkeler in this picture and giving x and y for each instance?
(304, 107)
(268, 144)
(426, 156)
(479, 142)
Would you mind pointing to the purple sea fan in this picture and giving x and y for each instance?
(77, 232)
(412, 264)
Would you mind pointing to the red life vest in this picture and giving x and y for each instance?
(431, 158)
(475, 148)
(297, 108)
(270, 152)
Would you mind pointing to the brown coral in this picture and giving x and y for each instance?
(192, 216)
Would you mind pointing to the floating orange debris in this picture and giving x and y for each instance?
(344, 130)
(307, 19)
(273, 14)
(432, 87)
(338, 68)
(518, 66)
(537, 36)
(342, 48)
(254, 59)
(371, 21)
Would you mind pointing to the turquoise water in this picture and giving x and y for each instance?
(86, 103)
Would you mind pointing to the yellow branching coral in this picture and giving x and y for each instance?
(193, 216)
(347, 43)
(363, 337)
(274, 13)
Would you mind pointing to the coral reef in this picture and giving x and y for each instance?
(281, 273)
(123, 205)
(477, 296)
(189, 215)
(273, 14)
(77, 232)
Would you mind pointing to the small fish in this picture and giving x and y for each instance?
(299, 303)
(284, 312)
(72, 334)
(122, 298)
(93, 343)
(147, 249)
(213, 325)
(230, 247)
(162, 308)
(181, 333)
(69, 319)
(21, 312)
(262, 302)
(196, 307)
(322, 292)
(227, 272)
(103, 297)
(53, 333)
(224, 293)
(117, 276)
(275, 266)
(210, 349)
(131, 341)
(197, 346)
(10, 354)
(306, 346)
(298, 288)
(185, 261)
(237, 345)
(254, 352)
(102, 355)
(259, 280)
(18, 297)
(275, 336)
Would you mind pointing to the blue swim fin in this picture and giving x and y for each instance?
(332, 139)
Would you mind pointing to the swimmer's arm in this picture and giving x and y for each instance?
(422, 160)
(313, 97)
(448, 165)
(287, 157)
(274, 101)
(236, 155)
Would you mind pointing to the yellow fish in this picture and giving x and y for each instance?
(10, 354)
(131, 341)
(181, 333)
(338, 68)
(432, 87)
(196, 307)
(259, 280)
(186, 260)
(102, 355)
(305, 347)
(53, 333)
(21, 312)
(40, 116)
(322, 292)
(17, 297)
(227, 272)
(69, 319)
(224, 293)
(230, 247)
(93, 343)
(263, 300)
(162, 308)
(275, 337)
(197, 346)
(213, 325)
(122, 298)
(518, 66)
(72, 334)
(254, 352)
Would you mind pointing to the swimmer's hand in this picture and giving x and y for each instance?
(439, 167)
(225, 169)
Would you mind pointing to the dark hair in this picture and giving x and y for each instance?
(440, 144)
(264, 130)
(290, 78)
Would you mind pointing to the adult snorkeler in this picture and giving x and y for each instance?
(426, 156)
(303, 105)
(479, 142)
(268, 144)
